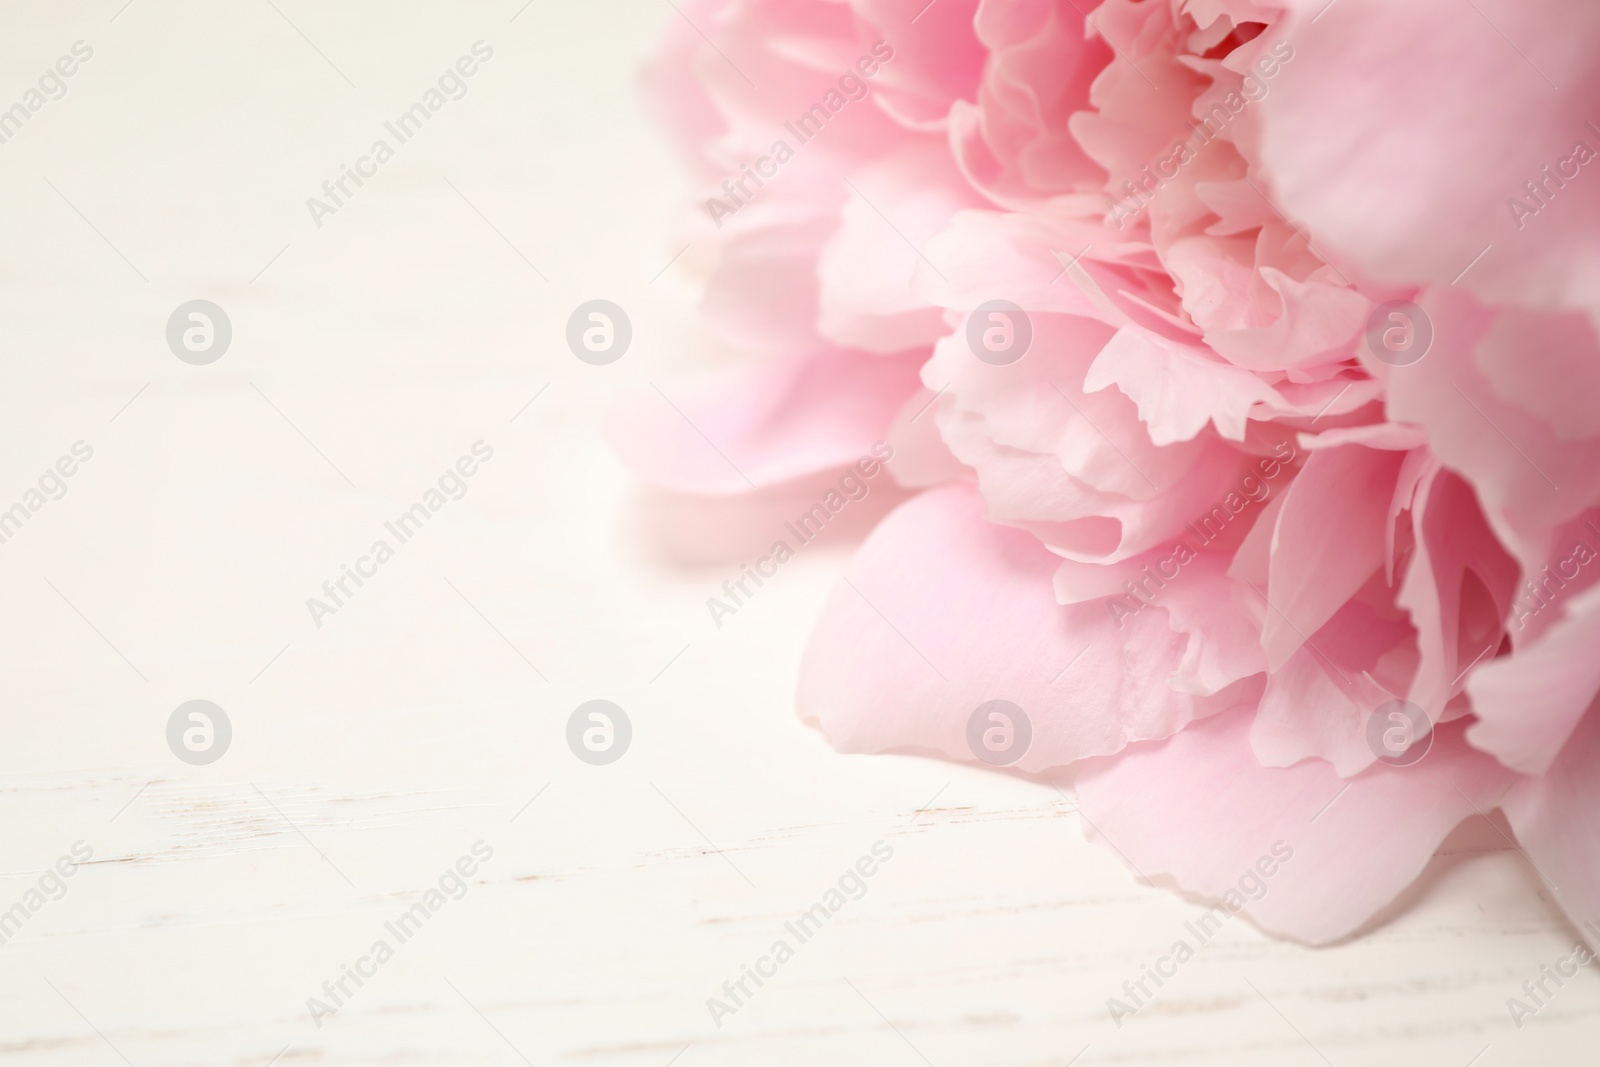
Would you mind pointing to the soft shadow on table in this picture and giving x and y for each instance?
(1474, 838)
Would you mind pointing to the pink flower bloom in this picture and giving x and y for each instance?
(1277, 468)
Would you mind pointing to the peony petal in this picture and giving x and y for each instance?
(1528, 480)
(1556, 817)
(1547, 365)
(1317, 704)
(1178, 388)
(761, 426)
(1529, 703)
(1352, 137)
(1314, 322)
(937, 58)
(1329, 540)
(1458, 589)
(1042, 264)
(1199, 807)
(1224, 637)
(1015, 144)
(763, 294)
(921, 458)
(866, 268)
(690, 529)
(941, 611)
(1078, 470)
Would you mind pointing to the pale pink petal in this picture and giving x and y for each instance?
(1556, 817)
(1394, 436)
(1528, 479)
(1528, 703)
(678, 98)
(1329, 540)
(763, 293)
(1314, 321)
(1200, 808)
(921, 458)
(1178, 388)
(1317, 704)
(1140, 103)
(866, 267)
(1078, 470)
(1306, 714)
(690, 529)
(766, 63)
(761, 426)
(1191, 585)
(937, 57)
(1352, 136)
(941, 611)
(1202, 602)
(1047, 264)
(1458, 589)
(1547, 365)
(1252, 559)
(1014, 142)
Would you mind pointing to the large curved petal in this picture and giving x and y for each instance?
(760, 426)
(941, 611)
(1458, 589)
(866, 267)
(1529, 703)
(1329, 540)
(937, 57)
(1556, 817)
(1527, 478)
(1405, 133)
(1200, 808)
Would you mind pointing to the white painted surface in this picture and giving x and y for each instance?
(406, 729)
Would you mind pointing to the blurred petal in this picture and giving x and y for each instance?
(758, 427)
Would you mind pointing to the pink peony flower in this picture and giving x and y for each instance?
(1241, 363)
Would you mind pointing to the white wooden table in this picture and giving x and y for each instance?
(371, 753)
